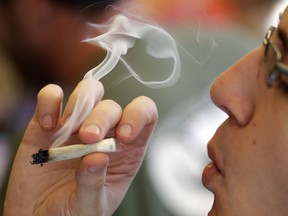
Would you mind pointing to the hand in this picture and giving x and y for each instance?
(92, 185)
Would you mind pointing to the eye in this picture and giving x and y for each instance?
(282, 66)
(282, 38)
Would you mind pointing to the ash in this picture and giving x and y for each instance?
(40, 157)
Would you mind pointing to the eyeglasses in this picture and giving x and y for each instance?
(273, 59)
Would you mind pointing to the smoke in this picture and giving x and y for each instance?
(118, 35)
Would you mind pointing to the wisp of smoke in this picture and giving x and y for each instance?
(118, 35)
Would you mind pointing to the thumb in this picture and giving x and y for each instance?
(90, 196)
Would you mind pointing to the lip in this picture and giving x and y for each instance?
(214, 157)
(212, 172)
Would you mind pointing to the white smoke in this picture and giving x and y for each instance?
(118, 35)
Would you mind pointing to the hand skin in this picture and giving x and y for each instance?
(92, 185)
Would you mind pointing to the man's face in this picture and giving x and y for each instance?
(45, 42)
(249, 172)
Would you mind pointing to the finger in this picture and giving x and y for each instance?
(140, 113)
(88, 92)
(49, 102)
(90, 177)
(104, 117)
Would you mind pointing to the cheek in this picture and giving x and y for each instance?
(245, 157)
(272, 138)
(257, 159)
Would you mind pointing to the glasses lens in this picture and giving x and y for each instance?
(270, 62)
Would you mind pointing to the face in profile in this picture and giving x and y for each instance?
(249, 170)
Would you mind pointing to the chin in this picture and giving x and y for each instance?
(214, 211)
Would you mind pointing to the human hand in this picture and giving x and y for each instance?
(92, 185)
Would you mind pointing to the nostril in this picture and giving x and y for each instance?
(239, 110)
(226, 110)
(230, 97)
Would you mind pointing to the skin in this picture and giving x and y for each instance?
(248, 149)
(94, 184)
(248, 174)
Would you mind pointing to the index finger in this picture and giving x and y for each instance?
(87, 93)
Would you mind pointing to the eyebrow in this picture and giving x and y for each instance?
(283, 36)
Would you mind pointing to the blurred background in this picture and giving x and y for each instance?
(210, 34)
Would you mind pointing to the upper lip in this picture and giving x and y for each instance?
(214, 156)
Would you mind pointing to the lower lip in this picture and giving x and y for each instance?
(209, 173)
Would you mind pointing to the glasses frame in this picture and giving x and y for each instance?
(279, 66)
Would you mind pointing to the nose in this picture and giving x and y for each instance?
(235, 90)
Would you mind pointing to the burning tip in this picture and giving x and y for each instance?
(40, 157)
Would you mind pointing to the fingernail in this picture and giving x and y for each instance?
(93, 129)
(125, 130)
(47, 121)
(94, 169)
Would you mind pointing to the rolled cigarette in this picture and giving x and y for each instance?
(72, 151)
